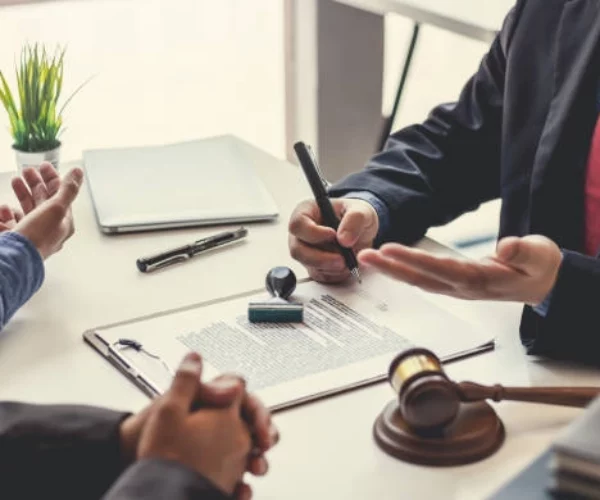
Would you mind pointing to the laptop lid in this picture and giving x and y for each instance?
(204, 182)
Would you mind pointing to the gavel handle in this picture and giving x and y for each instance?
(563, 396)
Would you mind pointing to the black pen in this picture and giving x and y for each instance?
(319, 185)
(185, 252)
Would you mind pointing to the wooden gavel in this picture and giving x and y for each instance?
(429, 400)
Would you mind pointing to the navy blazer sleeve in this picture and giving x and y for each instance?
(158, 479)
(430, 173)
(74, 452)
(58, 451)
(570, 328)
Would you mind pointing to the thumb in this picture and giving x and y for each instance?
(186, 382)
(523, 252)
(221, 392)
(507, 249)
(355, 220)
(69, 187)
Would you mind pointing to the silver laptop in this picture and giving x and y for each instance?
(198, 183)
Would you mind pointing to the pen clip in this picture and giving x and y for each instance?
(223, 237)
(324, 181)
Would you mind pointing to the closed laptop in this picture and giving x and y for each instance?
(196, 183)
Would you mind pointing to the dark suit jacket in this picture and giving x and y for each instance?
(521, 130)
(73, 452)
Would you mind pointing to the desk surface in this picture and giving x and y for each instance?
(326, 450)
(478, 19)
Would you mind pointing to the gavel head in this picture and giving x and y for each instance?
(427, 398)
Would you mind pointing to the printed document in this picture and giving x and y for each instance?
(349, 336)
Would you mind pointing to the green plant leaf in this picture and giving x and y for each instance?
(35, 123)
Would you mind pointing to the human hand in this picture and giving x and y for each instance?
(523, 270)
(313, 244)
(213, 441)
(35, 187)
(219, 393)
(46, 202)
(31, 190)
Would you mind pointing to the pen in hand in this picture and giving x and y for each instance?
(185, 252)
(319, 185)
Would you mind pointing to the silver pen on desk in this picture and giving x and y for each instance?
(186, 252)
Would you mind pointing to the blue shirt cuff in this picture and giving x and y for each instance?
(542, 308)
(383, 212)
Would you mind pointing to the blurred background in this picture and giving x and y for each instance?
(170, 70)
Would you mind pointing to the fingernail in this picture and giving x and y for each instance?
(192, 363)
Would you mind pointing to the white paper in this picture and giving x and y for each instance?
(350, 334)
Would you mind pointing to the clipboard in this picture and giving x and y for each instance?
(100, 339)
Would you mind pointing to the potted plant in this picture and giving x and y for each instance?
(35, 123)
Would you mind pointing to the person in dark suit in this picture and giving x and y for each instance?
(167, 451)
(524, 129)
(195, 442)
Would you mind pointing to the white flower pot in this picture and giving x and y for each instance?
(26, 159)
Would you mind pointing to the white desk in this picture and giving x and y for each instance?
(335, 68)
(326, 449)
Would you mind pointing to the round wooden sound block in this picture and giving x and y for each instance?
(476, 433)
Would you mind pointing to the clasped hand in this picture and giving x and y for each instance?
(216, 429)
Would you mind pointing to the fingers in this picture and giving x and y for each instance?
(238, 399)
(18, 214)
(453, 271)
(186, 382)
(305, 225)
(69, 187)
(221, 392)
(36, 184)
(258, 417)
(312, 256)
(488, 279)
(23, 194)
(242, 492)
(402, 272)
(326, 276)
(7, 216)
(258, 465)
(358, 218)
(50, 177)
(507, 248)
(526, 253)
(351, 227)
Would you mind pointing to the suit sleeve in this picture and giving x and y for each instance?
(58, 451)
(430, 173)
(158, 479)
(570, 328)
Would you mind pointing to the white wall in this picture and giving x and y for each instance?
(166, 70)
